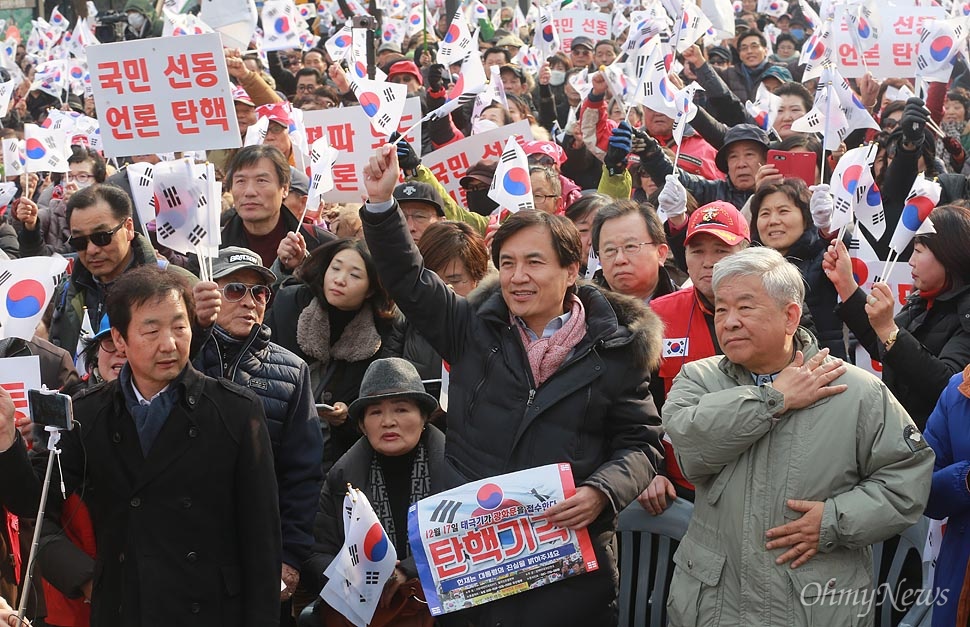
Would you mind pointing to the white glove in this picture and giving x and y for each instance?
(672, 199)
(822, 205)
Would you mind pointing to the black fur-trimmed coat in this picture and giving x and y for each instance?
(594, 412)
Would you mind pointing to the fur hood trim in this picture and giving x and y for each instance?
(360, 339)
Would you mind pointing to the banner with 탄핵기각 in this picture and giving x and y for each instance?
(163, 94)
(490, 539)
(569, 24)
(349, 131)
(894, 53)
(450, 163)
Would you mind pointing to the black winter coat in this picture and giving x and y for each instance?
(406, 342)
(189, 535)
(19, 490)
(932, 346)
(281, 380)
(594, 412)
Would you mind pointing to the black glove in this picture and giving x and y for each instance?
(406, 157)
(913, 122)
(646, 147)
(621, 142)
(438, 77)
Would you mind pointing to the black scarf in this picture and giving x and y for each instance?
(387, 506)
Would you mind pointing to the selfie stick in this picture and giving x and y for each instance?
(53, 439)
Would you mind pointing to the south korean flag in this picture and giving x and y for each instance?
(675, 346)
(366, 561)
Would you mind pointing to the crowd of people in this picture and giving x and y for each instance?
(675, 319)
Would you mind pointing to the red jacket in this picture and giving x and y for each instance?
(686, 338)
(61, 610)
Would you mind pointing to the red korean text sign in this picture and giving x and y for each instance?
(164, 94)
(349, 131)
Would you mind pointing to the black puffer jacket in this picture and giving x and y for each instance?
(933, 345)
(595, 412)
(281, 380)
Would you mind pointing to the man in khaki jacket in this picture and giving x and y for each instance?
(800, 463)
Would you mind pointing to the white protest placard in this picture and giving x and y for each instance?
(894, 53)
(569, 24)
(17, 375)
(349, 131)
(450, 163)
(162, 95)
(490, 539)
(235, 20)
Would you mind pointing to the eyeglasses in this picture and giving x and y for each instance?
(235, 292)
(629, 250)
(107, 344)
(544, 197)
(80, 177)
(305, 87)
(419, 217)
(456, 279)
(889, 124)
(544, 160)
(101, 238)
(750, 47)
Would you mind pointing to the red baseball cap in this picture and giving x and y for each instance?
(550, 149)
(278, 112)
(406, 67)
(722, 220)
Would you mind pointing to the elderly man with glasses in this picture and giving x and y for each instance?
(632, 249)
(107, 246)
(421, 205)
(237, 347)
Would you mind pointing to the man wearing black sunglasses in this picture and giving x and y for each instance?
(237, 347)
(107, 246)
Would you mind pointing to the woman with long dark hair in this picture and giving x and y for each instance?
(337, 319)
